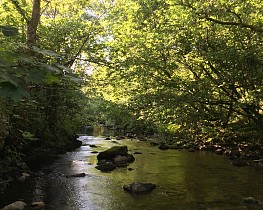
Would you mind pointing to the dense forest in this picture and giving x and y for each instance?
(179, 69)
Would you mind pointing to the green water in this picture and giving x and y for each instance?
(185, 180)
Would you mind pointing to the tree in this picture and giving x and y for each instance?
(192, 63)
(40, 95)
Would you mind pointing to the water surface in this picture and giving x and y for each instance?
(185, 180)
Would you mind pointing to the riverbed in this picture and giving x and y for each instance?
(185, 180)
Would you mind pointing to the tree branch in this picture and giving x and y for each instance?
(221, 22)
(240, 24)
(20, 10)
(72, 60)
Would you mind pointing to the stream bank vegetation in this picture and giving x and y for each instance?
(182, 70)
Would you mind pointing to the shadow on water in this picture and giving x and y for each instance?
(184, 181)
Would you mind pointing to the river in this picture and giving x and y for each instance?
(185, 180)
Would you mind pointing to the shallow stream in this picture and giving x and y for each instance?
(185, 180)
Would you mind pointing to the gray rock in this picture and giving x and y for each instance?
(252, 201)
(111, 153)
(114, 157)
(23, 177)
(40, 205)
(138, 188)
(163, 146)
(219, 151)
(18, 205)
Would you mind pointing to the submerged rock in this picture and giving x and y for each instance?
(93, 145)
(106, 166)
(137, 153)
(76, 175)
(18, 205)
(138, 188)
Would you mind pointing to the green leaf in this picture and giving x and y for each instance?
(45, 52)
(50, 78)
(64, 68)
(51, 69)
(7, 58)
(9, 30)
(16, 93)
(10, 79)
(29, 136)
(36, 76)
(75, 78)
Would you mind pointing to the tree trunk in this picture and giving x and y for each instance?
(33, 23)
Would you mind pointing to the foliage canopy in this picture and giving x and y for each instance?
(188, 64)
(197, 64)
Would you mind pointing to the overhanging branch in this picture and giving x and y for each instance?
(240, 24)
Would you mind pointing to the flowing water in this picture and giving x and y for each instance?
(185, 180)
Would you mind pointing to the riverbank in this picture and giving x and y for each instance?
(241, 154)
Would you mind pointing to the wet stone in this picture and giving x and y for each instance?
(138, 188)
(106, 166)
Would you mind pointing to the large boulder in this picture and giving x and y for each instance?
(138, 188)
(111, 153)
(114, 157)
